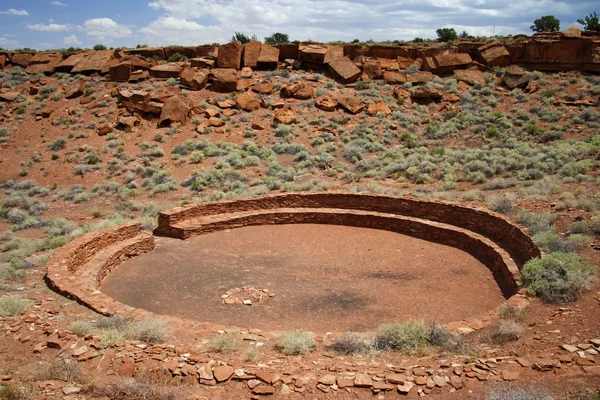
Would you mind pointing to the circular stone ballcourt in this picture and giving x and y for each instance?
(325, 278)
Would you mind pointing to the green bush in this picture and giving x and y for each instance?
(11, 306)
(411, 336)
(558, 278)
(224, 343)
(446, 34)
(352, 343)
(296, 342)
(505, 331)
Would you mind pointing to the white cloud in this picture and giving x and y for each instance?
(58, 3)
(12, 11)
(49, 27)
(71, 41)
(5, 41)
(205, 21)
(105, 28)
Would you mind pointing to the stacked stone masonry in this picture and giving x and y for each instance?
(78, 268)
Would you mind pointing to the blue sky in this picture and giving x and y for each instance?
(44, 24)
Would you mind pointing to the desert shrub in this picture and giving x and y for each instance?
(558, 277)
(579, 227)
(508, 311)
(352, 343)
(501, 204)
(224, 343)
(131, 389)
(537, 222)
(296, 342)
(553, 242)
(10, 274)
(11, 306)
(446, 340)
(251, 353)
(149, 330)
(82, 327)
(110, 337)
(411, 336)
(9, 392)
(61, 369)
(507, 391)
(504, 331)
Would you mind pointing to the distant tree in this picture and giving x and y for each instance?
(548, 23)
(464, 35)
(591, 22)
(277, 38)
(141, 45)
(418, 40)
(356, 41)
(242, 37)
(446, 34)
(99, 47)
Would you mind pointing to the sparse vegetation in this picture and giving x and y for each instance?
(558, 277)
(296, 342)
(225, 343)
(11, 306)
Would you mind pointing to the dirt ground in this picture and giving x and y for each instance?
(325, 278)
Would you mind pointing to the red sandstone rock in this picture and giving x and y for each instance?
(470, 76)
(247, 102)
(75, 90)
(394, 77)
(379, 107)
(21, 59)
(268, 58)
(176, 109)
(251, 53)
(291, 89)
(194, 78)
(420, 77)
(372, 69)
(307, 92)
(284, 116)
(263, 88)
(43, 62)
(230, 55)
(345, 69)
(224, 80)
(352, 103)
(120, 72)
(494, 53)
(166, 71)
(222, 373)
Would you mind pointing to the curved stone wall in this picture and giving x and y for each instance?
(78, 268)
(491, 225)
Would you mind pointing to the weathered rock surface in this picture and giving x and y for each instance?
(351, 103)
(251, 53)
(230, 55)
(224, 80)
(326, 103)
(194, 78)
(345, 69)
(176, 109)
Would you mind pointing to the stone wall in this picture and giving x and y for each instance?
(491, 225)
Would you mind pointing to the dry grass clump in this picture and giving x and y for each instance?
(353, 343)
(224, 343)
(513, 392)
(131, 389)
(115, 329)
(11, 306)
(296, 342)
(416, 337)
(82, 327)
(61, 369)
(505, 331)
(9, 392)
(251, 353)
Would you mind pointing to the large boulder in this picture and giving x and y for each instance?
(263, 87)
(312, 53)
(334, 53)
(351, 103)
(345, 70)
(230, 55)
(470, 76)
(224, 80)
(44, 62)
(194, 78)
(166, 71)
(21, 59)
(70, 62)
(268, 57)
(251, 53)
(447, 63)
(186, 51)
(207, 50)
(120, 72)
(420, 77)
(494, 53)
(291, 89)
(176, 109)
(96, 62)
(158, 53)
(378, 107)
(515, 77)
(372, 69)
(326, 103)
(573, 32)
(202, 62)
(3, 60)
(246, 101)
(394, 77)
(284, 116)
(75, 89)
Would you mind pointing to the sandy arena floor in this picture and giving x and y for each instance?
(326, 278)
